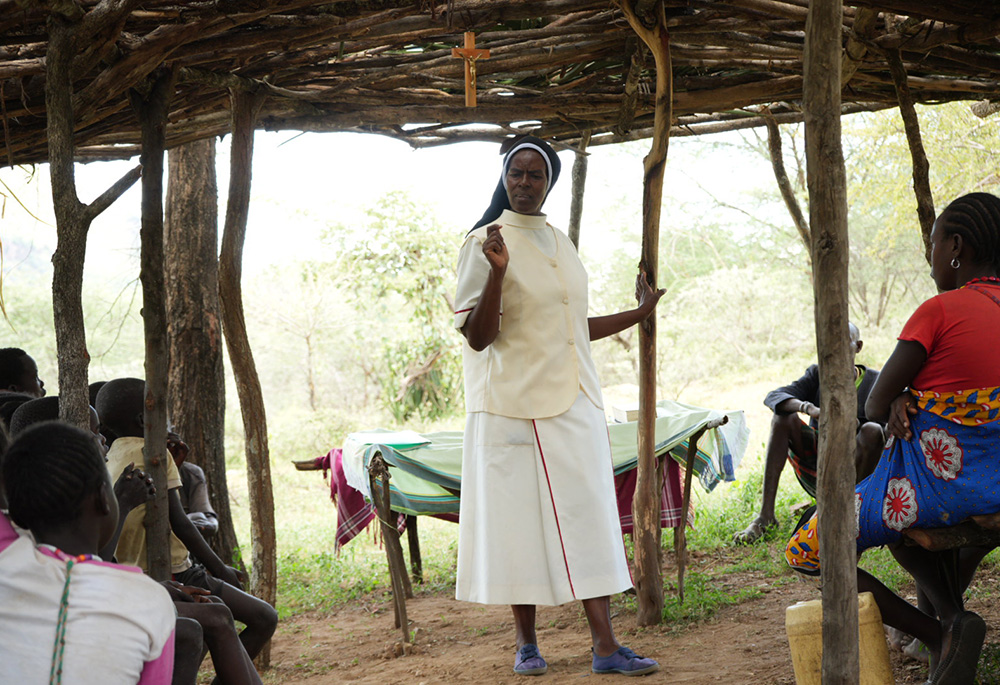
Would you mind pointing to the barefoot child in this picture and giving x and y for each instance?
(61, 606)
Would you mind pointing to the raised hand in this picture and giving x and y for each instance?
(495, 250)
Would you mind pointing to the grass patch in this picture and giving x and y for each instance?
(704, 595)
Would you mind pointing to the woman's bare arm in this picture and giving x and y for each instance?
(603, 326)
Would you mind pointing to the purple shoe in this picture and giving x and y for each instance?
(624, 661)
(529, 662)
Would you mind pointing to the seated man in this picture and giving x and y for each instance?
(795, 440)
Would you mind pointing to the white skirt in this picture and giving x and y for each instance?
(539, 522)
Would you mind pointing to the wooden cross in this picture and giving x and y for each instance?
(470, 54)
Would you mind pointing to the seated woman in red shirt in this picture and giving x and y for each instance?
(940, 393)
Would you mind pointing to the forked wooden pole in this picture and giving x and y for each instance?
(646, 534)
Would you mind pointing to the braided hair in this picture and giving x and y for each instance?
(35, 411)
(9, 402)
(48, 471)
(976, 217)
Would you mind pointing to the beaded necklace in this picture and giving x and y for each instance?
(990, 280)
(59, 649)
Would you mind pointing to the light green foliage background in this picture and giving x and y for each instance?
(356, 332)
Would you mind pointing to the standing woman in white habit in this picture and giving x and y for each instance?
(538, 523)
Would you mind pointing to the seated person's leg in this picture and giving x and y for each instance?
(258, 616)
(786, 432)
(939, 575)
(233, 665)
(187, 651)
(870, 441)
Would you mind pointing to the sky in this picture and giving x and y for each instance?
(304, 182)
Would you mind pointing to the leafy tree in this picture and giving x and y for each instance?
(401, 267)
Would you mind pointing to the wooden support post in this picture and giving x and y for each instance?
(579, 184)
(471, 55)
(413, 540)
(646, 534)
(263, 549)
(73, 218)
(150, 105)
(378, 474)
(828, 225)
(921, 167)
(197, 392)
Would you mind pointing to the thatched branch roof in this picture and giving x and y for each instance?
(557, 67)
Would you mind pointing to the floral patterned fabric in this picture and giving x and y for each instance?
(948, 471)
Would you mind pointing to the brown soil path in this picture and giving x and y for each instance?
(467, 643)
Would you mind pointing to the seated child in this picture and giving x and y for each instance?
(9, 402)
(194, 489)
(120, 406)
(61, 607)
(132, 486)
(19, 373)
(198, 625)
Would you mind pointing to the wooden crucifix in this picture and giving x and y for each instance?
(470, 54)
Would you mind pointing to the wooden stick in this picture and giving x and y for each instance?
(646, 501)
(579, 184)
(413, 540)
(784, 185)
(921, 167)
(263, 548)
(378, 474)
(680, 539)
(151, 109)
(828, 224)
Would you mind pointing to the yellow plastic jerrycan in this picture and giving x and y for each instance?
(804, 626)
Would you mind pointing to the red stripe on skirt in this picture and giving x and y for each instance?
(545, 467)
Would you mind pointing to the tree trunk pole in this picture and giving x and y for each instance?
(579, 185)
(646, 501)
(196, 381)
(828, 223)
(71, 227)
(73, 218)
(151, 109)
(264, 579)
(921, 167)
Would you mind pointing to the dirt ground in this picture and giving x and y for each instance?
(458, 642)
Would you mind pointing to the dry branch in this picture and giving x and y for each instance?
(351, 64)
(921, 167)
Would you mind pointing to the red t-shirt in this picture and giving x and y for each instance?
(960, 330)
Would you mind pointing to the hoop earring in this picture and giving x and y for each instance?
(955, 263)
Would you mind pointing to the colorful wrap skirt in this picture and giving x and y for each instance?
(948, 471)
